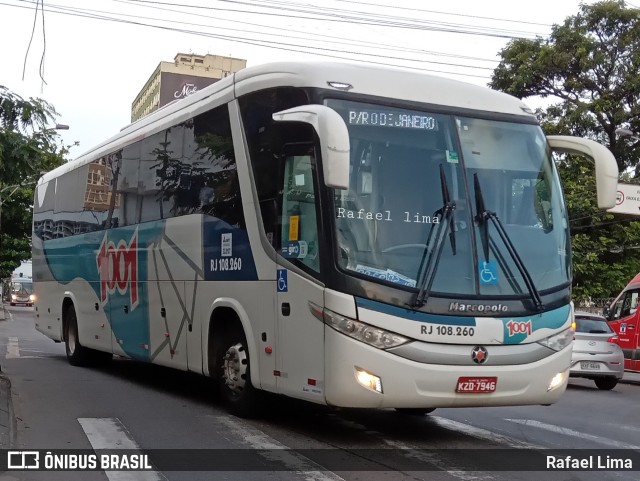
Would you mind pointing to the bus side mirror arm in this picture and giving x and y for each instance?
(334, 139)
(606, 165)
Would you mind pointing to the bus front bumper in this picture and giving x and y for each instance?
(408, 384)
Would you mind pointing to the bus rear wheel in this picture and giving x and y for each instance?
(239, 394)
(77, 354)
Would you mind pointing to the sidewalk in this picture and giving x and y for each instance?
(7, 420)
(631, 378)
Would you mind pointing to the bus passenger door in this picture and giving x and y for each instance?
(300, 353)
(623, 318)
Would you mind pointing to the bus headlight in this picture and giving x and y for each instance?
(374, 336)
(559, 341)
(32, 297)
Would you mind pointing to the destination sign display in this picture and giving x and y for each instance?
(392, 118)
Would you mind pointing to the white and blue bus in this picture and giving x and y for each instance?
(348, 235)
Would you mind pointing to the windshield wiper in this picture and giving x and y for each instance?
(483, 216)
(430, 263)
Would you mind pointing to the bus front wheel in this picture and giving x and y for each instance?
(235, 376)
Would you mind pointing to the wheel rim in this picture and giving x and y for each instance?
(71, 341)
(234, 369)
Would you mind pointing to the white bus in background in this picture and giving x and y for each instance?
(18, 289)
(348, 235)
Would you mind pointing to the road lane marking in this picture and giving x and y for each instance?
(483, 433)
(13, 348)
(419, 453)
(424, 456)
(297, 463)
(109, 433)
(570, 432)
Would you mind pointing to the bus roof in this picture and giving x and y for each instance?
(21, 280)
(377, 81)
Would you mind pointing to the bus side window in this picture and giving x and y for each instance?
(265, 139)
(267, 174)
(299, 224)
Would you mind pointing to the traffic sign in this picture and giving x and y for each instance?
(627, 200)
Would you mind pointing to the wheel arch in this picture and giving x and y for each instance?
(223, 313)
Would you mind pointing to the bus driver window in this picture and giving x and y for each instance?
(299, 236)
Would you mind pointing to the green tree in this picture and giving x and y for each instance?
(588, 68)
(27, 148)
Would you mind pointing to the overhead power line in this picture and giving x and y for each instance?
(319, 51)
(346, 16)
(376, 15)
(321, 37)
(304, 11)
(398, 7)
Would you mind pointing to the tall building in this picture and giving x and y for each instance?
(187, 74)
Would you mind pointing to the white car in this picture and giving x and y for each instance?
(596, 353)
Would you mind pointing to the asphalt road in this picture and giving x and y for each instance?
(128, 404)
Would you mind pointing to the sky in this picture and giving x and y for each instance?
(90, 59)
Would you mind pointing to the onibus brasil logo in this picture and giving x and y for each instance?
(118, 268)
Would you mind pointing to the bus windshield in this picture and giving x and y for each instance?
(22, 288)
(407, 165)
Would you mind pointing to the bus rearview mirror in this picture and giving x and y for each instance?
(334, 139)
(606, 165)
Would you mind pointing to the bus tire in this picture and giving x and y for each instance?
(241, 398)
(77, 354)
(414, 411)
(606, 383)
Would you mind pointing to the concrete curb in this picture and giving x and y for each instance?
(631, 378)
(633, 383)
(8, 427)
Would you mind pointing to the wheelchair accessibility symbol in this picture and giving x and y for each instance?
(282, 280)
(488, 272)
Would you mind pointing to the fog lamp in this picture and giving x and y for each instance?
(369, 380)
(557, 380)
